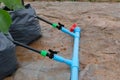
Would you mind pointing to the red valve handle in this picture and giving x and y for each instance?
(73, 27)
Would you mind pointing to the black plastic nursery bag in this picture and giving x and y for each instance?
(25, 27)
(8, 61)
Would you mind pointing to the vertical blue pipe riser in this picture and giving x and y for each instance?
(75, 58)
(74, 63)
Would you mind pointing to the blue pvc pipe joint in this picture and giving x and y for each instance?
(67, 31)
(74, 63)
(62, 60)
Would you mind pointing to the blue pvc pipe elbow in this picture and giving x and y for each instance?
(67, 31)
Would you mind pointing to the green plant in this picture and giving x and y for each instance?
(5, 21)
(13, 4)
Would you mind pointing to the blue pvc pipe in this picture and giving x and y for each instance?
(74, 63)
(62, 60)
(75, 57)
(67, 31)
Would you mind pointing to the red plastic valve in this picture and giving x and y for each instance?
(73, 27)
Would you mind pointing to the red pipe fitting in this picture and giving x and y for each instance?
(73, 27)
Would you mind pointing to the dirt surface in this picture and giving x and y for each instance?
(99, 46)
